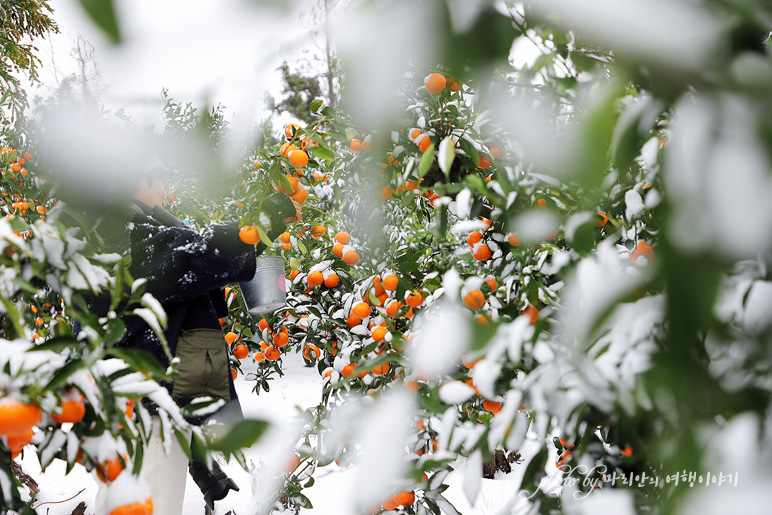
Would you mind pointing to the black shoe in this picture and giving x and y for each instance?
(214, 484)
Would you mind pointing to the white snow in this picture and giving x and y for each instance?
(443, 338)
(455, 392)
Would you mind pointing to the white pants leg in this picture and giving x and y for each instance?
(165, 474)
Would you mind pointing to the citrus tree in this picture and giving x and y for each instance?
(572, 300)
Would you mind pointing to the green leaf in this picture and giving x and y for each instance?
(102, 12)
(476, 182)
(284, 182)
(244, 434)
(57, 345)
(446, 154)
(140, 360)
(426, 161)
(322, 153)
(138, 460)
(316, 105)
(114, 331)
(61, 375)
(118, 286)
(467, 147)
(264, 236)
(303, 501)
(13, 315)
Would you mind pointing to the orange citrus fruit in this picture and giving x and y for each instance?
(298, 158)
(361, 310)
(289, 130)
(318, 231)
(355, 145)
(492, 406)
(241, 351)
(389, 504)
(482, 253)
(315, 278)
(137, 508)
(379, 370)
(17, 417)
(424, 143)
(474, 300)
(293, 185)
(378, 333)
(311, 348)
(351, 257)
(642, 249)
(248, 234)
(348, 370)
(17, 442)
(392, 309)
(109, 470)
(332, 280)
(532, 313)
(385, 193)
(73, 412)
(435, 83)
(343, 237)
(281, 338)
(231, 337)
(405, 498)
(474, 237)
(272, 353)
(390, 282)
(286, 149)
(300, 195)
(414, 299)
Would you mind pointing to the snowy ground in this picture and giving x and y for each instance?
(300, 388)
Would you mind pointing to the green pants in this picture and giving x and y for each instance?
(204, 365)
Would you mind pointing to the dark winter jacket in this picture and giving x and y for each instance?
(186, 271)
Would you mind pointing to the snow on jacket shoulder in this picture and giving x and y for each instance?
(180, 263)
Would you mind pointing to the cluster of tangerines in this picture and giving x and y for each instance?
(374, 315)
(271, 345)
(427, 136)
(290, 184)
(17, 201)
(18, 421)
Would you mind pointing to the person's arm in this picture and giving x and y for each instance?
(180, 263)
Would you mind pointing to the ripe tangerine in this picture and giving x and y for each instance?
(435, 83)
(249, 235)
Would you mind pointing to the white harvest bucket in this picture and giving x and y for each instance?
(267, 290)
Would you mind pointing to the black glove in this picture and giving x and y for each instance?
(214, 484)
